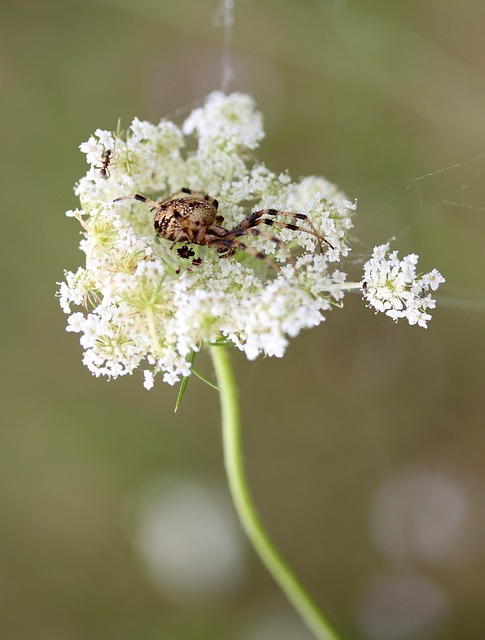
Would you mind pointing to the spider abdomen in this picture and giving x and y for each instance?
(185, 219)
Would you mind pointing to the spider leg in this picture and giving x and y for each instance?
(139, 197)
(159, 206)
(257, 218)
(251, 231)
(228, 244)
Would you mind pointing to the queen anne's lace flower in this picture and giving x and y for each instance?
(146, 304)
(392, 286)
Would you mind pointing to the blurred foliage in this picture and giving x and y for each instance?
(384, 98)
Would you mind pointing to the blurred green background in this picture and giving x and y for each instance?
(364, 445)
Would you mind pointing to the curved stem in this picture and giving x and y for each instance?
(249, 519)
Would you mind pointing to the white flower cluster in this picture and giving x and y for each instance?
(391, 285)
(147, 303)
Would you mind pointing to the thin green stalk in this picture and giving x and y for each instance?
(275, 564)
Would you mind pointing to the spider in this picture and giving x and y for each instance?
(193, 217)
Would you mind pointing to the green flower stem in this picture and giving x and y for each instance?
(275, 564)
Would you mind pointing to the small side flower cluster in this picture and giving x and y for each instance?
(140, 301)
(391, 286)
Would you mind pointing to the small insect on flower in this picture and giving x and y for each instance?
(105, 162)
(194, 218)
(185, 252)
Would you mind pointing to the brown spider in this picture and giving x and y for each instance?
(193, 218)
